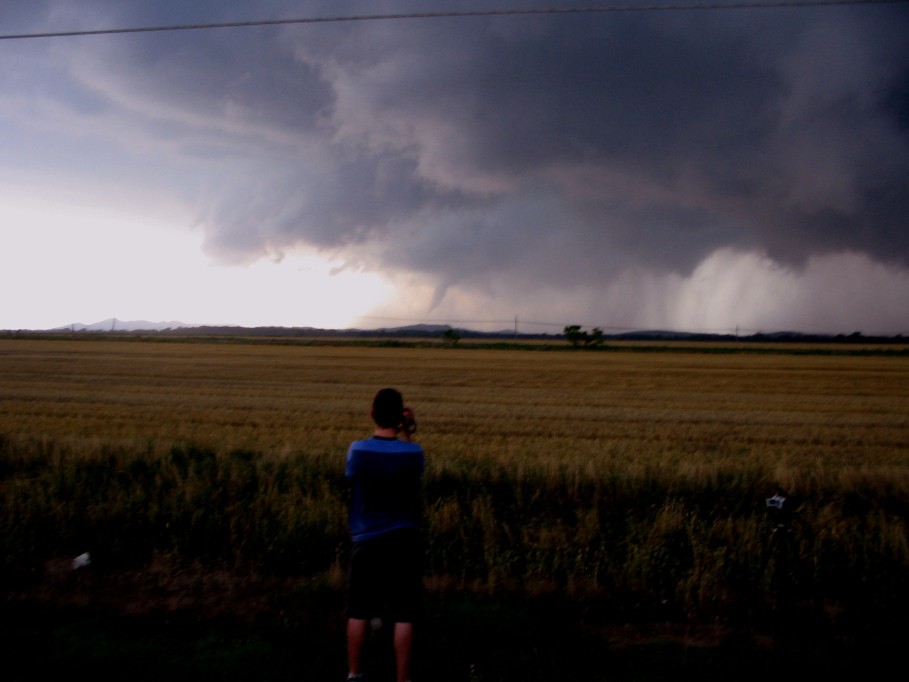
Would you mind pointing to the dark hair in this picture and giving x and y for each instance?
(388, 408)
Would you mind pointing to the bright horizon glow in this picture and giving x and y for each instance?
(63, 264)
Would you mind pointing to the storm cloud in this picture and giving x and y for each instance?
(663, 168)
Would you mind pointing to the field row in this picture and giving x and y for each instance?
(684, 409)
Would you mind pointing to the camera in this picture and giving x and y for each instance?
(408, 421)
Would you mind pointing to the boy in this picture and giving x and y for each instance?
(386, 563)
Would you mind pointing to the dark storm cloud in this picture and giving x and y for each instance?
(540, 146)
(664, 137)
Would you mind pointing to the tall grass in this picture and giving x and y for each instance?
(639, 481)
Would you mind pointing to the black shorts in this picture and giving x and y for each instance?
(386, 577)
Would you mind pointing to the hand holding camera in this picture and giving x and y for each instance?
(408, 421)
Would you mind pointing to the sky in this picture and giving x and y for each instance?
(695, 170)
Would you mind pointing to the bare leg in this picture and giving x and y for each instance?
(356, 635)
(403, 643)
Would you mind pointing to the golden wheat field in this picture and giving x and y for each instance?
(630, 480)
(684, 409)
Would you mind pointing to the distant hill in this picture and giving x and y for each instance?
(113, 324)
(435, 331)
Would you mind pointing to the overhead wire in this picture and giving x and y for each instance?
(596, 9)
(507, 323)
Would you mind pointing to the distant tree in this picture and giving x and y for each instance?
(450, 337)
(596, 337)
(574, 335)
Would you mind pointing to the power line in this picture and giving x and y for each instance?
(454, 323)
(672, 7)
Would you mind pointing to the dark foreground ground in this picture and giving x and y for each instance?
(200, 626)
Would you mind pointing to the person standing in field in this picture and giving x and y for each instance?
(386, 562)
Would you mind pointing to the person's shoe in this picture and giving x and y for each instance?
(355, 678)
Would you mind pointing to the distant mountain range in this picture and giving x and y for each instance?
(116, 325)
(113, 324)
(436, 330)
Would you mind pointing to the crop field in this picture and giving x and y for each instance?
(627, 484)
